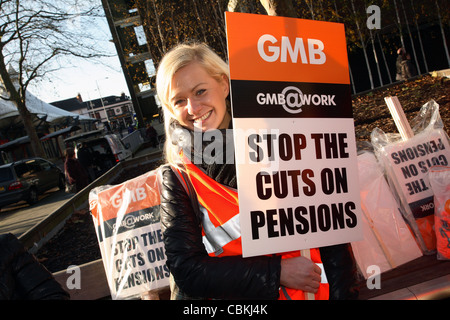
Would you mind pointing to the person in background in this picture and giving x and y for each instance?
(86, 158)
(405, 68)
(193, 86)
(151, 135)
(130, 128)
(75, 173)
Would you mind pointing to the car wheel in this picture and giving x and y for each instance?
(33, 197)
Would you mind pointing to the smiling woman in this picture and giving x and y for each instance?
(198, 100)
(192, 84)
(199, 201)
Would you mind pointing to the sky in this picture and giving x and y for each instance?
(89, 78)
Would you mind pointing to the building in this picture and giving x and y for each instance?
(115, 111)
(134, 55)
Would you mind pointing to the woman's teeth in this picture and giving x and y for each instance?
(204, 117)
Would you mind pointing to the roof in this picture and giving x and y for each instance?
(73, 104)
(12, 144)
(60, 132)
(86, 135)
(23, 140)
(39, 108)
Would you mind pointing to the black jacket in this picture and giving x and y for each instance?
(198, 275)
(22, 277)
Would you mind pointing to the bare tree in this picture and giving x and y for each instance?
(34, 38)
(336, 11)
(399, 25)
(442, 33)
(203, 21)
(419, 36)
(310, 6)
(413, 47)
(363, 44)
(158, 24)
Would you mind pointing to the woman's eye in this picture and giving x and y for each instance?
(179, 103)
(200, 92)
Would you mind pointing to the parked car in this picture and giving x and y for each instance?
(26, 179)
(107, 150)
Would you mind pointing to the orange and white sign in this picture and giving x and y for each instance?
(294, 135)
(269, 48)
(127, 222)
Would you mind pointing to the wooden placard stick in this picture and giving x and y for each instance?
(150, 295)
(307, 254)
(378, 237)
(399, 117)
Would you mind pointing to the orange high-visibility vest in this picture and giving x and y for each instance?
(219, 206)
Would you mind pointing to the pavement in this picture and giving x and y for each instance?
(20, 217)
(142, 151)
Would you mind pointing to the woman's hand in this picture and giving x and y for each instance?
(300, 273)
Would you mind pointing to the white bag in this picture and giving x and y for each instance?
(388, 242)
(127, 222)
(407, 162)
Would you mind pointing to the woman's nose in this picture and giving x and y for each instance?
(193, 106)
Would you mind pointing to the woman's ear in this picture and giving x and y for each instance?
(226, 84)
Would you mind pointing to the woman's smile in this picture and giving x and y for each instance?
(203, 118)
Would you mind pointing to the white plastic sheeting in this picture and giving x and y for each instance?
(388, 242)
(39, 108)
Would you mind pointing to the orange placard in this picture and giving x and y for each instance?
(129, 196)
(271, 48)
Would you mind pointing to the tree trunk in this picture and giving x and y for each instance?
(199, 21)
(420, 37)
(384, 58)
(158, 24)
(35, 143)
(443, 33)
(363, 46)
(220, 25)
(375, 56)
(310, 6)
(399, 25)
(18, 98)
(413, 47)
(348, 61)
(279, 8)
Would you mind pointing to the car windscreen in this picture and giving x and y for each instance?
(6, 174)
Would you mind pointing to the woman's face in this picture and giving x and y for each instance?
(198, 100)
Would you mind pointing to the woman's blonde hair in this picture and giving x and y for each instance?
(177, 58)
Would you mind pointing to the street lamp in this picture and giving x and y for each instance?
(101, 99)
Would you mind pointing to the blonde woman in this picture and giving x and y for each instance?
(199, 204)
